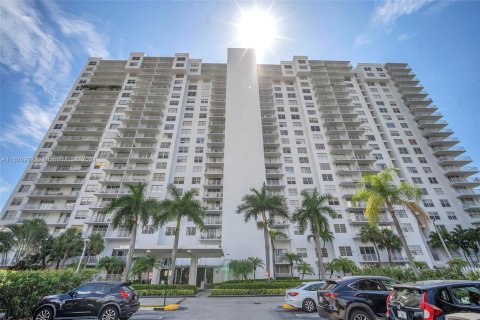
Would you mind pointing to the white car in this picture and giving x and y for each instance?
(304, 296)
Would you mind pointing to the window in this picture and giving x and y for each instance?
(170, 231)
(148, 229)
(302, 252)
(9, 215)
(306, 170)
(345, 251)
(451, 215)
(403, 150)
(16, 201)
(422, 160)
(196, 180)
(291, 180)
(467, 295)
(417, 180)
(369, 285)
(340, 228)
(406, 227)
(432, 180)
(334, 201)
(327, 177)
(445, 203)
(412, 170)
(303, 159)
(307, 180)
(401, 213)
(191, 231)
(292, 192)
(415, 250)
(433, 215)
(428, 203)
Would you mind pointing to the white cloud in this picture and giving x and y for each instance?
(33, 51)
(391, 10)
(4, 186)
(405, 36)
(362, 39)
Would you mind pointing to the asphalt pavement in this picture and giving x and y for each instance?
(238, 308)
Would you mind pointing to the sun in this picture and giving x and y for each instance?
(256, 29)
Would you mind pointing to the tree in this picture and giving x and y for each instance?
(27, 236)
(457, 263)
(304, 268)
(291, 258)
(313, 212)
(371, 234)
(343, 264)
(129, 211)
(329, 266)
(146, 264)
(240, 268)
(112, 265)
(175, 208)
(422, 265)
(255, 263)
(390, 242)
(274, 235)
(6, 245)
(70, 244)
(95, 246)
(379, 190)
(261, 204)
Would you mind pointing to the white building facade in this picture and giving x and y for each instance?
(224, 128)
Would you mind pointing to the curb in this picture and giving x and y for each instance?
(246, 295)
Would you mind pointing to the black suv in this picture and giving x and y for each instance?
(98, 300)
(355, 298)
(433, 299)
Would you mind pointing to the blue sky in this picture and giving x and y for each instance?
(45, 44)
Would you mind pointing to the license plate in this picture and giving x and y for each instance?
(401, 314)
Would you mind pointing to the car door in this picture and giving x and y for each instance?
(374, 294)
(311, 291)
(79, 304)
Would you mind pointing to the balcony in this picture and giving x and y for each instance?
(45, 207)
(461, 171)
(62, 182)
(433, 124)
(369, 257)
(117, 234)
(213, 195)
(451, 141)
(459, 161)
(446, 151)
(53, 194)
(437, 133)
(472, 205)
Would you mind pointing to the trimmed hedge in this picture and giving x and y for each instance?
(21, 291)
(246, 292)
(407, 275)
(161, 292)
(255, 285)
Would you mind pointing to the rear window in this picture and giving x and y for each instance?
(127, 288)
(329, 285)
(406, 297)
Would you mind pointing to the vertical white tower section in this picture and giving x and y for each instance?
(244, 164)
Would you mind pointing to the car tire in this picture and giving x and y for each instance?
(359, 314)
(125, 318)
(308, 305)
(44, 313)
(109, 313)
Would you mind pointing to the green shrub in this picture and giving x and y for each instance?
(245, 292)
(407, 275)
(161, 292)
(161, 287)
(21, 291)
(256, 285)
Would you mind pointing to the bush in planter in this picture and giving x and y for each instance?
(244, 292)
(254, 285)
(161, 292)
(161, 287)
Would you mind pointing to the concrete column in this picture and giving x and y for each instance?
(155, 276)
(192, 279)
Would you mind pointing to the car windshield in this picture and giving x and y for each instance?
(406, 297)
(467, 295)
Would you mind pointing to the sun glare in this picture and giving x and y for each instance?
(256, 29)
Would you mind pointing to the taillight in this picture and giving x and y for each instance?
(388, 301)
(430, 312)
(293, 294)
(330, 295)
(123, 293)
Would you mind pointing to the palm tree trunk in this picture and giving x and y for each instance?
(303, 275)
(267, 245)
(131, 249)
(64, 259)
(321, 269)
(389, 257)
(404, 241)
(174, 252)
(291, 269)
(273, 256)
(378, 253)
(58, 264)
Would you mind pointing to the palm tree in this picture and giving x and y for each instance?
(312, 212)
(112, 265)
(379, 191)
(177, 207)
(291, 258)
(95, 246)
(6, 245)
(442, 239)
(240, 268)
(457, 263)
(131, 210)
(261, 204)
(27, 239)
(461, 240)
(304, 268)
(329, 266)
(146, 264)
(326, 235)
(343, 264)
(255, 262)
(274, 234)
(390, 242)
(371, 233)
(71, 243)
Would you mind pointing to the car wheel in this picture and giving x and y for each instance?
(359, 314)
(109, 313)
(308, 305)
(44, 313)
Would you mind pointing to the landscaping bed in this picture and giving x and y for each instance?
(150, 290)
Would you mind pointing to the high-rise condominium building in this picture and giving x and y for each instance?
(224, 128)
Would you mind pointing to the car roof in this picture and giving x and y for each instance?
(350, 278)
(431, 284)
(118, 283)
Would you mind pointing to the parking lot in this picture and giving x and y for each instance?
(246, 308)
